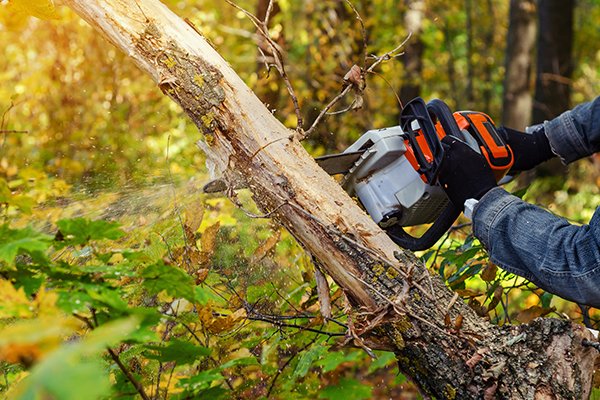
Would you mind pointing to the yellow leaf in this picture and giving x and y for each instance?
(532, 313)
(45, 302)
(209, 239)
(239, 315)
(27, 340)
(489, 272)
(43, 9)
(265, 247)
(193, 215)
(468, 293)
(13, 302)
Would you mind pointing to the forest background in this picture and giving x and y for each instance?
(120, 278)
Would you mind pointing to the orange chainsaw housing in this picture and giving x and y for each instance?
(480, 127)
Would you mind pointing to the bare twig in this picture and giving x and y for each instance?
(280, 370)
(263, 30)
(280, 324)
(269, 11)
(136, 384)
(378, 60)
(363, 31)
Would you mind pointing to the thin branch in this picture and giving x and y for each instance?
(269, 11)
(280, 324)
(378, 60)
(138, 386)
(12, 131)
(363, 31)
(263, 30)
(280, 370)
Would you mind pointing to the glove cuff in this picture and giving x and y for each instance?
(542, 144)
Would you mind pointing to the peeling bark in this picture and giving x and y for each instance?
(400, 306)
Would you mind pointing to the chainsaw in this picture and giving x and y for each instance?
(393, 172)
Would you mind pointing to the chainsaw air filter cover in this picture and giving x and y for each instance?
(386, 183)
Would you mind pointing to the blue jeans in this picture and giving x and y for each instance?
(529, 241)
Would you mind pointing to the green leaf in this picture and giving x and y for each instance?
(106, 296)
(73, 301)
(76, 371)
(333, 359)
(25, 203)
(201, 381)
(383, 360)
(178, 351)
(16, 241)
(159, 277)
(213, 393)
(546, 299)
(203, 295)
(521, 192)
(307, 359)
(347, 389)
(80, 230)
(239, 362)
(109, 334)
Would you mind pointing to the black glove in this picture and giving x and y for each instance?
(529, 149)
(464, 173)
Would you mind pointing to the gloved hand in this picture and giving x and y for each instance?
(529, 149)
(464, 173)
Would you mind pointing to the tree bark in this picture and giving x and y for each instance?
(517, 100)
(402, 307)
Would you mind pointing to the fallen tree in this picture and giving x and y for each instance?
(446, 349)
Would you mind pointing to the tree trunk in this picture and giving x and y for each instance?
(554, 59)
(402, 308)
(412, 59)
(469, 90)
(517, 101)
(554, 68)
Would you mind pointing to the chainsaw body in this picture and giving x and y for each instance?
(387, 184)
(393, 171)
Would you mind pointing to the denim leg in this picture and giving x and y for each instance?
(557, 256)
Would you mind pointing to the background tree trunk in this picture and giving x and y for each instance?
(439, 342)
(412, 60)
(554, 59)
(517, 101)
(554, 68)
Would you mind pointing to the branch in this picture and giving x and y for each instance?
(349, 86)
(136, 384)
(263, 30)
(280, 370)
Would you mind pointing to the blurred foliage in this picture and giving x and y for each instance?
(114, 269)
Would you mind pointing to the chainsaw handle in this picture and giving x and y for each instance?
(431, 236)
(440, 110)
(417, 111)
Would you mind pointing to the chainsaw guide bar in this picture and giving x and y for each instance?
(340, 163)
